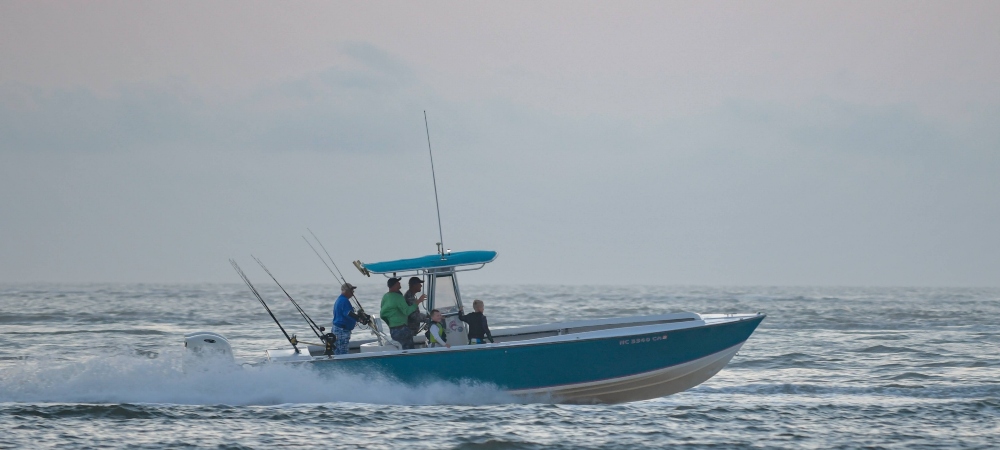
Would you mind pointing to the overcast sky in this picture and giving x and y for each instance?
(714, 143)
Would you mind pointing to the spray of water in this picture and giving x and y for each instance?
(129, 378)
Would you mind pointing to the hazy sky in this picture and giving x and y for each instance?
(719, 143)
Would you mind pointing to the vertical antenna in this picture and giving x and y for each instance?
(434, 177)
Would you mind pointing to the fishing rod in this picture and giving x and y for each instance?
(360, 310)
(291, 339)
(327, 255)
(318, 330)
(364, 318)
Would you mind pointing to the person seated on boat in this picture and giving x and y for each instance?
(394, 312)
(479, 330)
(344, 319)
(416, 318)
(436, 336)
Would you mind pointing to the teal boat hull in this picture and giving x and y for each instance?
(624, 364)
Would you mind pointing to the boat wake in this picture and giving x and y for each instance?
(131, 377)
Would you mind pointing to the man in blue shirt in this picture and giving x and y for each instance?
(344, 319)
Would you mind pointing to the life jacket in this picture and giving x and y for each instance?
(440, 338)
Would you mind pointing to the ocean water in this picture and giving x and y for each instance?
(102, 366)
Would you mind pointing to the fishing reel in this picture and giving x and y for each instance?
(361, 317)
(328, 341)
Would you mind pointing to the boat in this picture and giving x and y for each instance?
(611, 360)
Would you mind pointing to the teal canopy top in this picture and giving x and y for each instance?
(433, 261)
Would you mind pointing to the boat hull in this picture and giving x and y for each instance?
(612, 366)
(643, 386)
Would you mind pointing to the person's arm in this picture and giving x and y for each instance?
(486, 328)
(404, 308)
(410, 308)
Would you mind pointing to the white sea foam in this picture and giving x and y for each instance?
(130, 378)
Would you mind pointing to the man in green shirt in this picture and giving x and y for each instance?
(394, 312)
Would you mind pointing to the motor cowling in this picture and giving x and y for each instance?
(205, 344)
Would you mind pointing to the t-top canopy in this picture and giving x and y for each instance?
(433, 261)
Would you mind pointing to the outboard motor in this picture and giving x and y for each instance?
(205, 345)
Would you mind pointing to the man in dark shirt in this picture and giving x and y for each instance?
(416, 318)
(479, 330)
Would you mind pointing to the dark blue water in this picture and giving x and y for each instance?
(102, 365)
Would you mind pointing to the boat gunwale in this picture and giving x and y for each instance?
(556, 326)
(550, 340)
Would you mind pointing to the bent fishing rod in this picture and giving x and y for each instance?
(291, 339)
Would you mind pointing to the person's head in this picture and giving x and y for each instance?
(435, 315)
(347, 289)
(478, 305)
(393, 284)
(416, 284)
